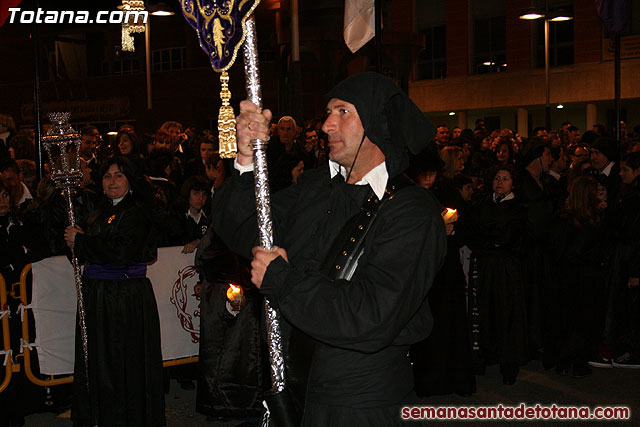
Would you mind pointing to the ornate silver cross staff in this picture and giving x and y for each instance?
(62, 144)
(222, 27)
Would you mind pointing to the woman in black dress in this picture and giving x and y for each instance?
(125, 358)
(499, 227)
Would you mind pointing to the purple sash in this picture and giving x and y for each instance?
(115, 273)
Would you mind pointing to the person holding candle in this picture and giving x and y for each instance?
(230, 382)
(125, 359)
(498, 225)
(442, 363)
(360, 311)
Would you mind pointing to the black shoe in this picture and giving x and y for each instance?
(580, 371)
(187, 385)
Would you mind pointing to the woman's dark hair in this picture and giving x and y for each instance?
(139, 186)
(460, 180)
(135, 142)
(582, 203)
(194, 183)
(491, 174)
(125, 165)
(206, 137)
(227, 164)
(632, 160)
(509, 144)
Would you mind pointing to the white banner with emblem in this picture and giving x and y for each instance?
(53, 302)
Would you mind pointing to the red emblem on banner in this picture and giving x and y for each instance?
(185, 296)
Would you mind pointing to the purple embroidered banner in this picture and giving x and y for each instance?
(220, 25)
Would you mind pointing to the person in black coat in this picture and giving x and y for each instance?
(193, 218)
(499, 223)
(20, 244)
(363, 316)
(442, 363)
(123, 327)
(166, 226)
(577, 244)
(625, 275)
(536, 193)
(604, 155)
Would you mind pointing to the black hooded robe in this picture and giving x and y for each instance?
(360, 370)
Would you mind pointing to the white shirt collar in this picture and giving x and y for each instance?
(118, 200)
(554, 174)
(507, 197)
(195, 218)
(607, 169)
(377, 177)
(26, 194)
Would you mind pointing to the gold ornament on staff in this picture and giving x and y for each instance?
(220, 26)
(226, 121)
(62, 144)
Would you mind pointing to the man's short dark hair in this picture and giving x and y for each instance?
(572, 128)
(86, 130)
(535, 130)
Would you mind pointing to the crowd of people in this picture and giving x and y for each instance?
(542, 253)
(547, 247)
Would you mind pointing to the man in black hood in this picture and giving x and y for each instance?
(358, 246)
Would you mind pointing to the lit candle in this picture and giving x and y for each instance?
(450, 215)
(234, 293)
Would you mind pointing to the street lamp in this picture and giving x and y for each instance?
(533, 14)
(158, 9)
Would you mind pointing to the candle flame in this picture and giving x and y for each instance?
(234, 292)
(450, 215)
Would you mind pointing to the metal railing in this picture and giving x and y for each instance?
(19, 292)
